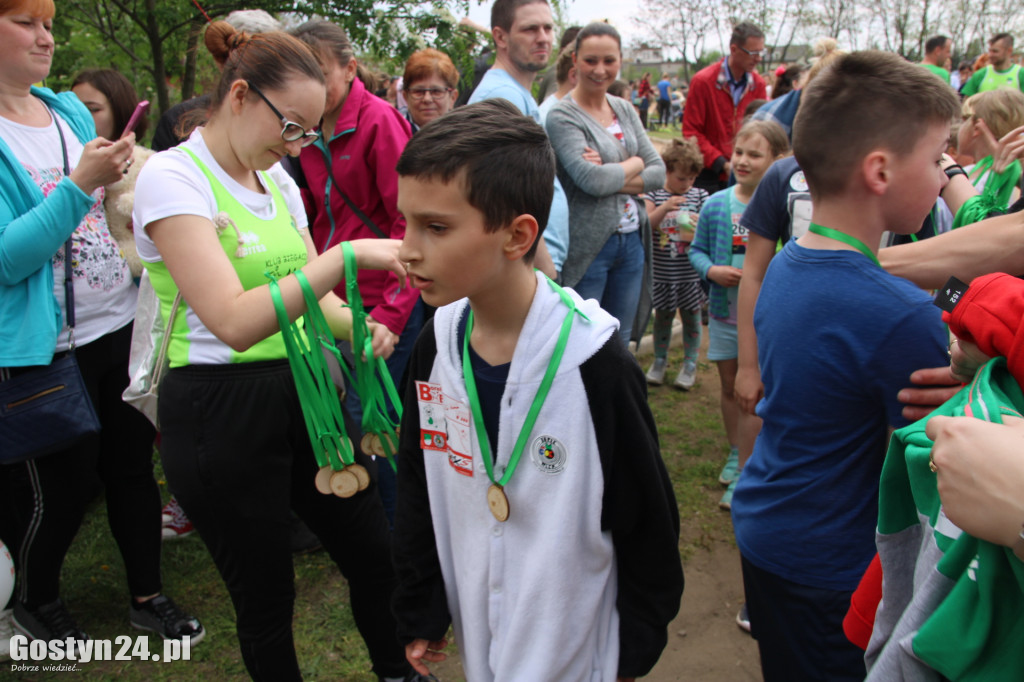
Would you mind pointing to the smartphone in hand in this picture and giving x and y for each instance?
(137, 115)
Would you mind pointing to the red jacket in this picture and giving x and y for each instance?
(991, 314)
(368, 139)
(709, 114)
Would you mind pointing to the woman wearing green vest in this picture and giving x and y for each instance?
(215, 219)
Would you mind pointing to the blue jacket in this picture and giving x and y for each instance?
(712, 245)
(32, 229)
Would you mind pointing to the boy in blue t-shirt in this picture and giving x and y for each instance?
(838, 337)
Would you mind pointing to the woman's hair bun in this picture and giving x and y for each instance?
(222, 38)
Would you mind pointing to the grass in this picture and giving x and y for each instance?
(329, 647)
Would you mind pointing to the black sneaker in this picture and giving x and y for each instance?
(48, 622)
(162, 616)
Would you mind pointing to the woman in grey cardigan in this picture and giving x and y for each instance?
(604, 161)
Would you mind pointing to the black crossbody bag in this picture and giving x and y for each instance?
(48, 409)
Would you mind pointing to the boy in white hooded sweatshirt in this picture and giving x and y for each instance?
(557, 558)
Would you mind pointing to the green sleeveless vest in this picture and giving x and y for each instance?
(255, 247)
(1000, 79)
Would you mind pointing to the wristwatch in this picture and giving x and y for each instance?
(954, 170)
(1018, 547)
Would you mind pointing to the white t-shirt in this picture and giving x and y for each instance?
(630, 219)
(105, 295)
(172, 184)
(182, 189)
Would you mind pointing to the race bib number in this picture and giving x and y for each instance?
(444, 426)
(739, 235)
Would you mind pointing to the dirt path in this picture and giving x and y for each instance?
(704, 644)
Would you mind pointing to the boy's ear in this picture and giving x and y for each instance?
(876, 170)
(522, 233)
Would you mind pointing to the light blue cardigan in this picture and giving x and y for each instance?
(712, 245)
(32, 229)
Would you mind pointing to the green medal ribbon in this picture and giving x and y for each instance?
(980, 168)
(318, 396)
(538, 399)
(370, 375)
(838, 236)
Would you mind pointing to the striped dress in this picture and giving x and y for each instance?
(676, 283)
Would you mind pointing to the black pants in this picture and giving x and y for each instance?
(664, 109)
(44, 500)
(799, 630)
(237, 457)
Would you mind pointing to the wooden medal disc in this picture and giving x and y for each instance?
(366, 443)
(361, 474)
(344, 483)
(498, 502)
(323, 480)
(378, 446)
(391, 441)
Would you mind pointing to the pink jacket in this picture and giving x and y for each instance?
(368, 139)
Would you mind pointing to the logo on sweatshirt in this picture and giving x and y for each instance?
(548, 454)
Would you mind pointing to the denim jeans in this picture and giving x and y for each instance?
(615, 277)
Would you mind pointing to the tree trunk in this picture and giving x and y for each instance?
(188, 79)
(156, 44)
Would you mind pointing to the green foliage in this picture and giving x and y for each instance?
(707, 58)
(154, 43)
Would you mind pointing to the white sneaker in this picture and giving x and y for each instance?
(687, 376)
(6, 632)
(656, 374)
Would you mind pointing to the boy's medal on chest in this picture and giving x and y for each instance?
(497, 499)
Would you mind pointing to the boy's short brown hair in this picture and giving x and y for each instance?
(683, 156)
(503, 159)
(861, 102)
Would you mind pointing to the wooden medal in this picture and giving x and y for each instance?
(378, 446)
(344, 483)
(323, 480)
(498, 502)
(391, 441)
(366, 443)
(361, 474)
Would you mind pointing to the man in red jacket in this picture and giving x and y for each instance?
(719, 95)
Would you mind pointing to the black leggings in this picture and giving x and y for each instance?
(664, 112)
(237, 457)
(45, 499)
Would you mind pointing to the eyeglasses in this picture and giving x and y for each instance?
(753, 53)
(419, 93)
(290, 130)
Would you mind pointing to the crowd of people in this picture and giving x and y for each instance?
(508, 252)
